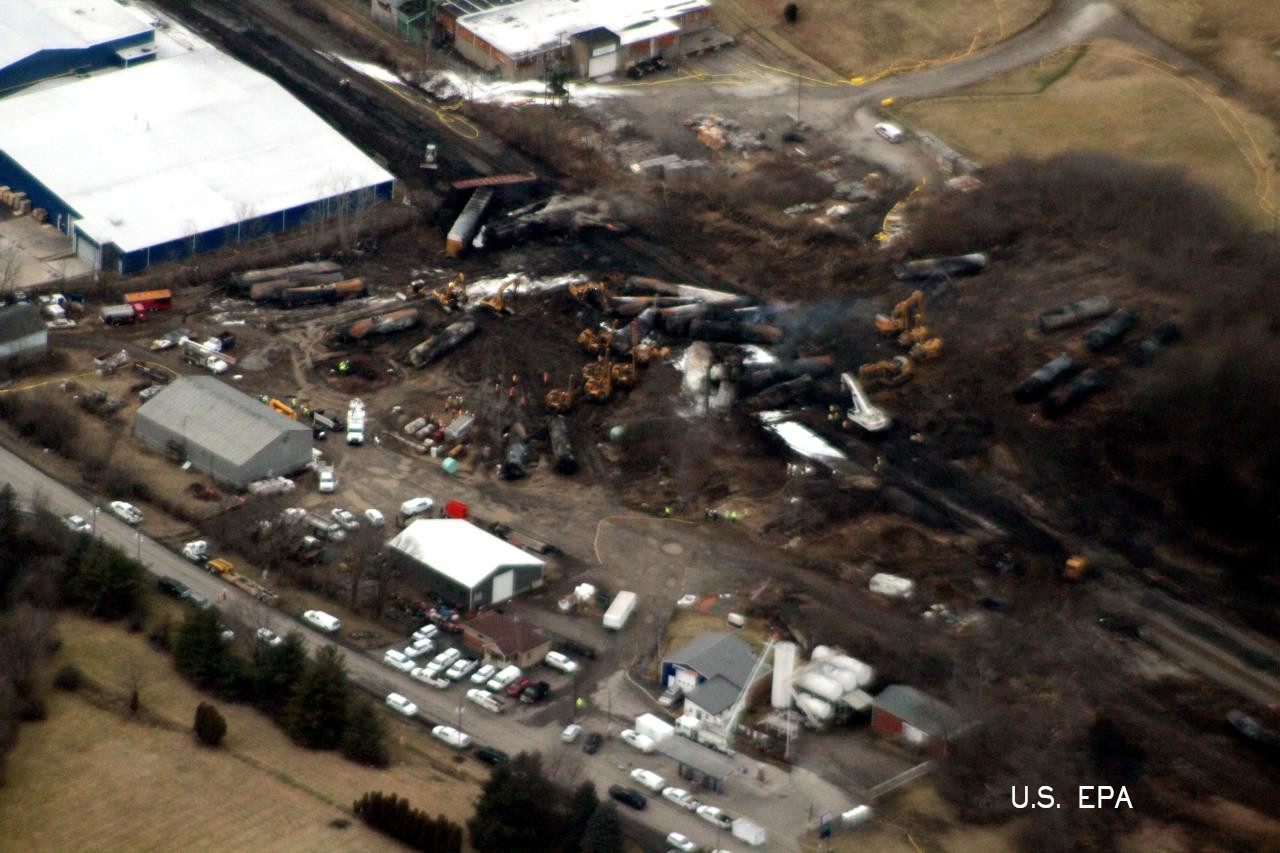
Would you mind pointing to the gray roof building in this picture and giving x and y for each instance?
(23, 335)
(715, 653)
(715, 695)
(900, 709)
(226, 434)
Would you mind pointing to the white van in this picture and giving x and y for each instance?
(504, 677)
(890, 131)
(486, 700)
(648, 779)
(414, 507)
(323, 621)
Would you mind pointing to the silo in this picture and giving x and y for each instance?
(784, 667)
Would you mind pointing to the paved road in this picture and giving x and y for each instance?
(781, 803)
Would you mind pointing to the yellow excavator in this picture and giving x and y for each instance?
(591, 292)
(907, 323)
(889, 373)
(560, 400)
(453, 296)
(595, 342)
(597, 379)
(497, 303)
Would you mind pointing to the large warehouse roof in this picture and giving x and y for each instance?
(458, 549)
(211, 414)
(28, 26)
(163, 151)
(534, 26)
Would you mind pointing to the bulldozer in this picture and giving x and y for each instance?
(453, 296)
(889, 373)
(497, 303)
(590, 293)
(560, 400)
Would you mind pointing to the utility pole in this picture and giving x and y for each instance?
(799, 83)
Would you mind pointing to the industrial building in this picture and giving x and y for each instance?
(24, 338)
(228, 435)
(906, 714)
(184, 154)
(507, 641)
(44, 39)
(589, 38)
(463, 565)
(712, 671)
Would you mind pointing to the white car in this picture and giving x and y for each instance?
(571, 733)
(396, 702)
(323, 621)
(345, 518)
(504, 678)
(268, 637)
(443, 661)
(680, 797)
(648, 779)
(398, 660)
(483, 674)
(293, 514)
(327, 481)
(430, 678)
(486, 700)
(631, 737)
(415, 506)
(461, 668)
(76, 523)
(564, 663)
(451, 736)
(374, 518)
(426, 632)
(418, 648)
(126, 512)
(682, 843)
(711, 814)
(890, 131)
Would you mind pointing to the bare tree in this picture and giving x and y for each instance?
(10, 265)
(131, 676)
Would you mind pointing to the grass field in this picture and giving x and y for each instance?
(88, 778)
(861, 39)
(1107, 102)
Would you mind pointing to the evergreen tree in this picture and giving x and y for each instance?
(102, 581)
(317, 713)
(578, 811)
(199, 653)
(279, 669)
(604, 831)
(366, 739)
(210, 727)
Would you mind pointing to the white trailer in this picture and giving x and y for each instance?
(653, 727)
(752, 833)
(620, 610)
(355, 422)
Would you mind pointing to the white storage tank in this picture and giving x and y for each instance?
(821, 686)
(784, 669)
(856, 816)
(847, 679)
(815, 708)
(892, 585)
(821, 653)
(864, 673)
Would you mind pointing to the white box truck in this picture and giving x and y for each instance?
(653, 727)
(752, 833)
(620, 610)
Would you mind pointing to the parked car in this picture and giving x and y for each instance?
(486, 700)
(443, 661)
(327, 481)
(483, 674)
(76, 524)
(890, 131)
(399, 703)
(562, 662)
(535, 692)
(461, 668)
(451, 736)
(592, 744)
(570, 733)
(426, 632)
(375, 518)
(126, 512)
(418, 648)
(292, 514)
(680, 797)
(398, 660)
(415, 506)
(430, 678)
(197, 600)
(505, 676)
(173, 587)
(268, 637)
(627, 796)
(324, 621)
(344, 517)
(631, 737)
(492, 757)
(517, 687)
(681, 843)
(648, 779)
(712, 814)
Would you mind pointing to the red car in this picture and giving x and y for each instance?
(516, 687)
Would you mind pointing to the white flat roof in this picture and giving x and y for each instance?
(28, 26)
(649, 30)
(176, 147)
(534, 26)
(458, 549)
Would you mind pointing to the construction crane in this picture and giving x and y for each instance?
(453, 296)
(735, 712)
(560, 400)
(497, 303)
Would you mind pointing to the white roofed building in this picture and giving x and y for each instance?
(591, 38)
(42, 39)
(463, 565)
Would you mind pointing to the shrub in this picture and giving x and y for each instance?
(32, 710)
(68, 678)
(791, 12)
(393, 816)
(210, 727)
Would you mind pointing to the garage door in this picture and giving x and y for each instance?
(599, 66)
(503, 586)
